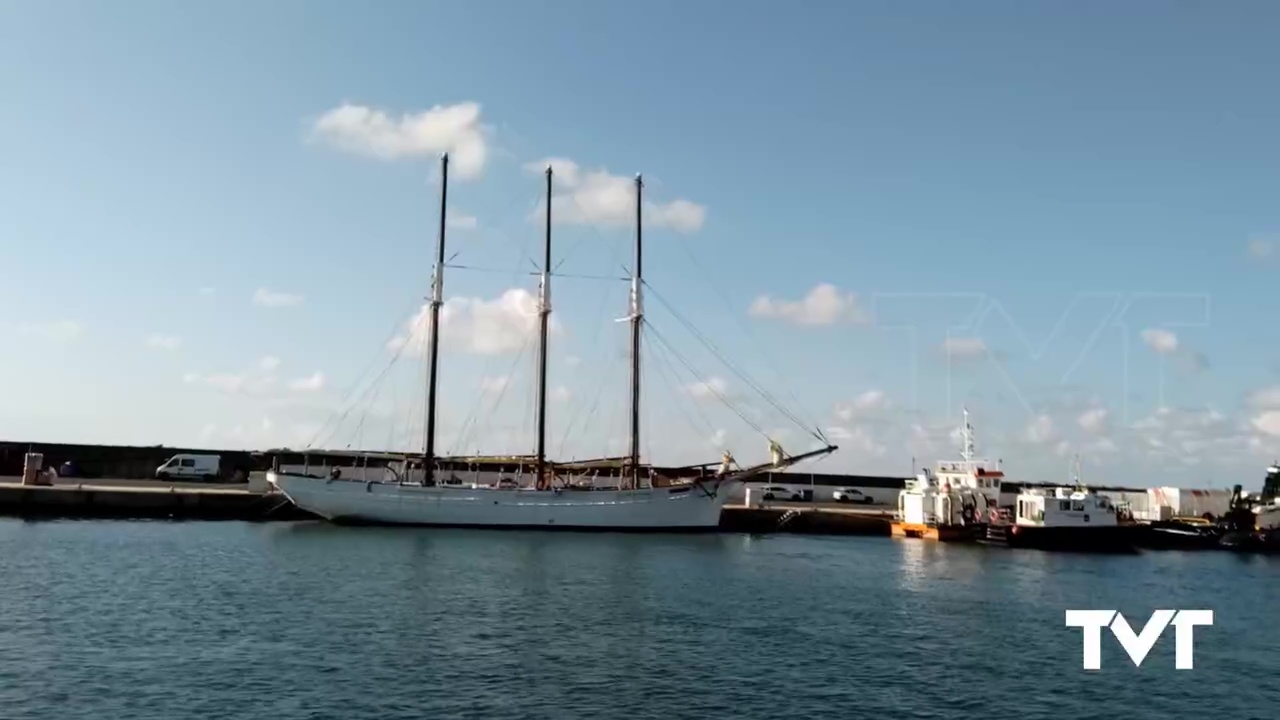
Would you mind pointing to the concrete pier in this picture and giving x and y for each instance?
(141, 499)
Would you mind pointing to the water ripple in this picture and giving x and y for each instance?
(291, 621)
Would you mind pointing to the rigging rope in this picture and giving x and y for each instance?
(733, 368)
(376, 380)
(390, 336)
(464, 434)
(741, 326)
(707, 425)
(711, 389)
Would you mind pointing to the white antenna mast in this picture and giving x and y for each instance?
(968, 451)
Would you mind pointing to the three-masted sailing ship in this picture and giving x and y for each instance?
(605, 494)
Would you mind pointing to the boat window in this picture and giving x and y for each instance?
(1077, 505)
(1064, 505)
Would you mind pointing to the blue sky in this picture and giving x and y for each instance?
(1062, 215)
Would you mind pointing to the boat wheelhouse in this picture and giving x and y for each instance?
(1066, 518)
(953, 503)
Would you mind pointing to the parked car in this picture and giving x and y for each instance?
(191, 467)
(851, 495)
(778, 492)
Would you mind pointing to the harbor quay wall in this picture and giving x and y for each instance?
(124, 499)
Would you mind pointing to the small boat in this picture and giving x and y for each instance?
(1067, 518)
(1180, 535)
(953, 503)
(601, 494)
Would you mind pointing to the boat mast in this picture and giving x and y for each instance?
(967, 452)
(544, 311)
(433, 351)
(637, 317)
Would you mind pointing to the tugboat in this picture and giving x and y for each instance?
(1066, 518)
(953, 504)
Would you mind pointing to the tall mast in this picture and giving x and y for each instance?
(544, 311)
(967, 452)
(433, 351)
(637, 318)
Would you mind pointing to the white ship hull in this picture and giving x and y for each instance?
(684, 507)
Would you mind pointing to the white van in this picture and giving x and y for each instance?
(191, 467)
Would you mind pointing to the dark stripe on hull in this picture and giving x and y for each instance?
(1179, 536)
(364, 522)
(1123, 539)
(1263, 543)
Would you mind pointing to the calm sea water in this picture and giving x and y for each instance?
(227, 620)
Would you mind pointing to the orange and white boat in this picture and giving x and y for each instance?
(954, 503)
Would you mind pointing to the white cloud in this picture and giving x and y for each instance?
(482, 327)
(718, 439)
(1190, 436)
(596, 197)
(254, 381)
(164, 342)
(869, 401)
(494, 384)
(59, 331)
(856, 441)
(1260, 248)
(823, 305)
(262, 434)
(711, 387)
(560, 394)
(1093, 420)
(1160, 340)
(206, 291)
(227, 382)
(1039, 430)
(572, 360)
(964, 347)
(363, 130)
(1266, 398)
(310, 383)
(272, 298)
(1267, 423)
(461, 221)
(1100, 446)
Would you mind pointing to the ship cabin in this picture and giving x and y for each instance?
(1065, 507)
(971, 475)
